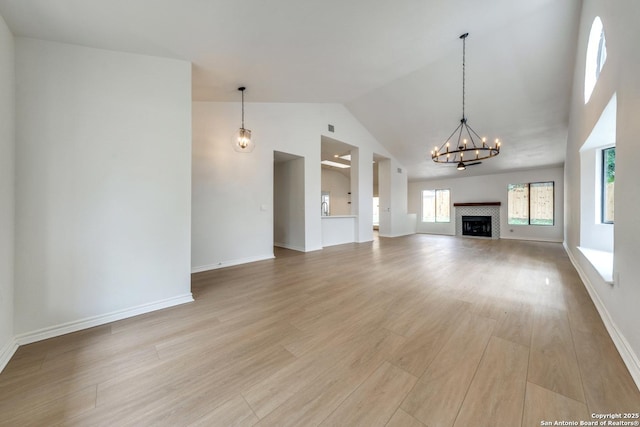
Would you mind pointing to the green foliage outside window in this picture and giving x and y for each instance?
(608, 184)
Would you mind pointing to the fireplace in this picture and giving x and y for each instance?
(479, 226)
(485, 210)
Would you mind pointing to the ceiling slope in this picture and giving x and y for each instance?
(395, 65)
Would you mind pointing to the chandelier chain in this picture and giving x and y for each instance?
(464, 40)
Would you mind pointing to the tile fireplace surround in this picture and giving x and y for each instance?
(491, 209)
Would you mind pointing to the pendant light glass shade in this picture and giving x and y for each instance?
(241, 140)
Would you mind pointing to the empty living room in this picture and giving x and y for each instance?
(247, 213)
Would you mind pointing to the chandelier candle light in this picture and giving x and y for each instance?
(468, 148)
(241, 140)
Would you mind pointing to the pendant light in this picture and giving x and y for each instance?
(241, 140)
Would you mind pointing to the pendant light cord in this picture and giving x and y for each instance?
(242, 89)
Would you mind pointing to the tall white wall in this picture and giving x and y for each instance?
(288, 204)
(233, 192)
(7, 197)
(618, 303)
(402, 222)
(493, 188)
(384, 194)
(392, 190)
(102, 188)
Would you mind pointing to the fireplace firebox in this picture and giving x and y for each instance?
(479, 226)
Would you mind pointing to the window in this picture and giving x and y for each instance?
(608, 181)
(435, 206)
(595, 233)
(530, 203)
(596, 57)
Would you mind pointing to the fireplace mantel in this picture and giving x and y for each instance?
(477, 204)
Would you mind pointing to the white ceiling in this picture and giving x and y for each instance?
(395, 64)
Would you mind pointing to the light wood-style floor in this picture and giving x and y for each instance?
(413, 331)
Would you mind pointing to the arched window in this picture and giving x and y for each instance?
(596, 57)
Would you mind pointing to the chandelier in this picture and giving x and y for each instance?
(464, 147)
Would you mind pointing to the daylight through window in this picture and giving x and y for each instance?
(596, 57)
(608, 182)
(530, 203)
(436, 206)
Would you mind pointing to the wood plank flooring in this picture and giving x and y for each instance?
(413, 331)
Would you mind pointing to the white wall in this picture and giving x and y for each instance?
(402, 223)
(392, 190)
(338, 230)
(339, 186)
(384, 194)
(7, 197)
(233, 192)
(288, 204)
(102, 187)
(493, 188)
(618, 304)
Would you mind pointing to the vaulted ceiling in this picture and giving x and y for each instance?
(396, 65)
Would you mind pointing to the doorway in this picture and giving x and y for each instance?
(288, 201)
(335, 161)
(381, 193)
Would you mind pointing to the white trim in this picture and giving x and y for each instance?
(231, 263)
(400, 234)
(533, 239)
(629, 358)
(338, 244)
(291, 247)
(601, 261)
(364, 241)
(90, 322)
(7, 353)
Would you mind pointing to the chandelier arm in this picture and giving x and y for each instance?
(474, 132)
(452, 133)
(463, 124)
(471, 133)
(453, 155)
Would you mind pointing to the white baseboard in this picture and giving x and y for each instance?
(291, 247)
(532, 239)
(365, 241)
(7, 352)
(230, 263)
(629, 358)
(431, 233)
(400, 234)
(90, 322)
